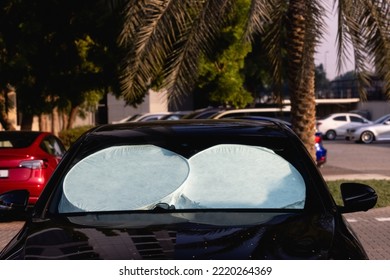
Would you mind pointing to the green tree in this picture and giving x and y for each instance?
(221, 74)
(170, 36)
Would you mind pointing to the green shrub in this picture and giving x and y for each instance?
(68, 137)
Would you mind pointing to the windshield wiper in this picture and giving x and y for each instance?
(162, 207)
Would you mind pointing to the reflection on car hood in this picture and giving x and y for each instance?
(274, 236)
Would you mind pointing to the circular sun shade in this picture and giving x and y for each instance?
(239, 176)
(122, 178)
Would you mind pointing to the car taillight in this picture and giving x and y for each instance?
(33, 164)
(318, 138)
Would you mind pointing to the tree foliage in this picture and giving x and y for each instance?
(221, 73)
(170, 36)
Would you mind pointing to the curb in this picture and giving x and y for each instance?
(355, 177)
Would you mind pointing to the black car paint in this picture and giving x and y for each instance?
(284, 236)
(316, 232)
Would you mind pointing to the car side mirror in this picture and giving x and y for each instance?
(14, 202)
(357, 197)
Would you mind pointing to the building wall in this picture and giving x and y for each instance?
(376, 108)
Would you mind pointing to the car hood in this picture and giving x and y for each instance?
(257, 236)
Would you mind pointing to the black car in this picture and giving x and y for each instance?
(189, 189)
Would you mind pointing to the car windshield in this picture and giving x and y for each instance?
(382, 119)
(146, 177)
(19, 139)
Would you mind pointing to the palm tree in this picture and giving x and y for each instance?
(165, 38)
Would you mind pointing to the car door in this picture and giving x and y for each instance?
(350, 121)
(340, 124)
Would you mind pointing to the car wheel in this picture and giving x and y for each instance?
(330, 135)
(367, 137)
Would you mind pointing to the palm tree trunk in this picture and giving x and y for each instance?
(72, 117)
(27, 121)
(301, 82)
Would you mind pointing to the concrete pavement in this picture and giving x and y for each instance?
(373, 230)
(8, 230)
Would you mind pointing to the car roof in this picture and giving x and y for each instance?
(171, 132)
(193, 125)
(249, 111)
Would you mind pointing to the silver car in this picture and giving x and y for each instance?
(377, 131)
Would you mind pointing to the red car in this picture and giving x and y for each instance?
(27, 160)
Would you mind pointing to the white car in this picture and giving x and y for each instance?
(278, 113)
(336, 125)
(379, 130)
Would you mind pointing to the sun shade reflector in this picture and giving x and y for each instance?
(122, 178)
(239, 176)
(145, 177)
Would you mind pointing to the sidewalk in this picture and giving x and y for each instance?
(335, 177)
(8, 230)
(373, 228)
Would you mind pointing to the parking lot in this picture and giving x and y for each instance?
(345, 160)
(357, 160)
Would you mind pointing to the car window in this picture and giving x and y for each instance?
(340, 118)
(52, 146)
(20, 139)
(357, 119)
(386, 120)
(381, 119)
(122, 178)
(5, 144)
(141, 177)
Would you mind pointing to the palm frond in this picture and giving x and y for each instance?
(259, 16)
(346, 22)
(166, 34)
(147, 36)
(274, 41)
(367, 24)
(376, 23)
(182, 64)
(315, 28)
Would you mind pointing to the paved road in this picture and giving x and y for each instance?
(8, 231)
(345, 160)
(351, 160)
